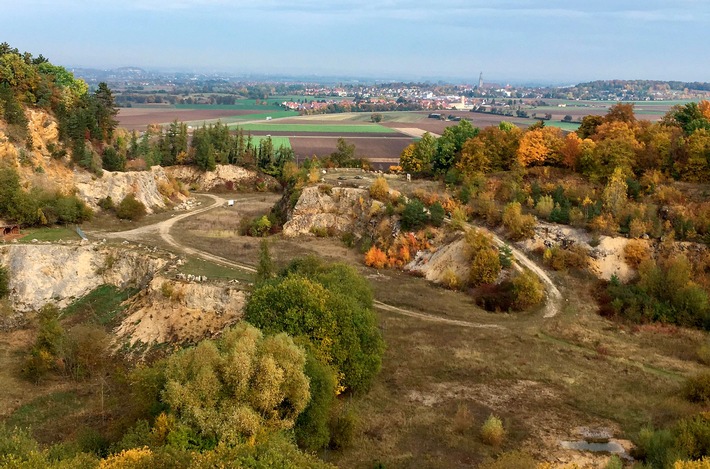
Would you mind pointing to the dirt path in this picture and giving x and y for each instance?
(162, 229)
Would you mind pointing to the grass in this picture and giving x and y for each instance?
(50, 234)
(324, 128)
(569, 126)
(197, 266)
(44, 414)
(276, 141)
(102, 305)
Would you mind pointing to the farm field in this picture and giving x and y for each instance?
(316, 128)
(382, 152)
(275, 140)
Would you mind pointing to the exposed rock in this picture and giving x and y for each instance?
(59, 274)
(225, 177)
(341, 209)
(177, 311)
(433, 264)
(143, 184)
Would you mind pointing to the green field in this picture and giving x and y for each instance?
(276, 141)
(49, 234)
(570, 126)
(328, 128)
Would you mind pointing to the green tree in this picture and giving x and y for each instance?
(330, 307)
(449, 145)
(105, 112)
(233, 388)
(344, 153)
(265, 270)
(414, 215)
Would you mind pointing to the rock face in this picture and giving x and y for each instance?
(225, 177)
(178, 311)
(59, 274)
(145, 185)
(606, 255)
(341, 209)
(434, 264)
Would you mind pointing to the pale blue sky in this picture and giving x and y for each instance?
(509, 40)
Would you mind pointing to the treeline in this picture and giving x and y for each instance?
(208, 146)
(37, 206)
(86, 120)
(364, 106)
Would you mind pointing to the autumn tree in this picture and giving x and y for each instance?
(614, 195)
(449, 145)
(473, 158)
(483, 257)
(616, 147)
(589, 126)
(621, 112)
(571, 151)
(422, 155)
(235, 387)
(533, 149)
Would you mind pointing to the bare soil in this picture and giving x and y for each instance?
(140, 118)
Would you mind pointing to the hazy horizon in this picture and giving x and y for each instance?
(511, 41)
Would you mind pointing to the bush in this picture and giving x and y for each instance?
(483, 257)
(463, 420)
(260, 227)
(130, 208)
(562, 259)
(4, 281)
(437, 214)
(343, 424)
(106, 203)
(519, 226)
(492, 431)
(451, 280)
(375, 258)
(636, 252)
(414, 215)
(312, 426)
(697, 388)
(528, 291)
(380, 190)
(513, 460)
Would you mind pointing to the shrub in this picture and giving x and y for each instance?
(451, 280)
(463, 420)
(697, 388)
(375, 258)
(106, 203)
(437, 214)
(637, 228)
(130, 208)
(4, 281)
(544, 206)
(484, 259)
(260, 226)
(312, 426)
(492, 431)
(458, 219)
(562, 259)
(636, 252)
(528, 291)
(380, 190)
(518, 225)
(513, 460)
(343, 424)
(414, 215)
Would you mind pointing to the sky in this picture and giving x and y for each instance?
(516, 41)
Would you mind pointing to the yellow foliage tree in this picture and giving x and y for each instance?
(533, 149)
(473, 158)
(704, 107)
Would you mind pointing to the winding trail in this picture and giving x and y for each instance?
(162, 229)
